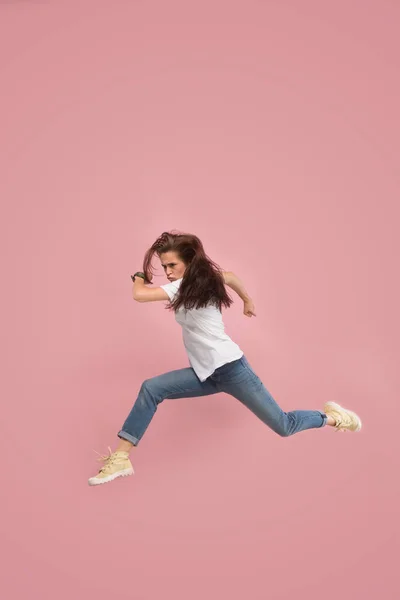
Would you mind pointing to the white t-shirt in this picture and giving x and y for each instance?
(207, 345)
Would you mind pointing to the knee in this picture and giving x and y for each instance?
(283, 434)
(284, 427)
(149, 391)
(146, 384)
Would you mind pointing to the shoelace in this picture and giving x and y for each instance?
(342, 422)
(108, 459)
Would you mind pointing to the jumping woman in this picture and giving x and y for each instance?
(196, 293)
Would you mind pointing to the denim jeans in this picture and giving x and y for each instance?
(236, 378)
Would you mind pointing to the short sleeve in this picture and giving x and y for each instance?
(171, 288)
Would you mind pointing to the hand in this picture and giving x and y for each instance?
(139, 277)
(248, 308)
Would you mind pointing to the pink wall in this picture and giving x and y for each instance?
(269, 129)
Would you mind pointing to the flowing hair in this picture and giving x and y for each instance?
(202, 282)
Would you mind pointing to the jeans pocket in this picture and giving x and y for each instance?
(233, 374)
(228, 367)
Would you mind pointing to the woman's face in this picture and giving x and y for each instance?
(173, 266)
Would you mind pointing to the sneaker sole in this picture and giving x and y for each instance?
(125, 473)
(337, 407)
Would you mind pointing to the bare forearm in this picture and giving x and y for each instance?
(237, 286)
(138, 285)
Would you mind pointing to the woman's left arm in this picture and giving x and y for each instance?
(233, 281)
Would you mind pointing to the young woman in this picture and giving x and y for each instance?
(196, 292)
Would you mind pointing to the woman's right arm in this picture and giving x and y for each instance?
(145, 293)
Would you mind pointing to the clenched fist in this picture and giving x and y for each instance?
(248, 308)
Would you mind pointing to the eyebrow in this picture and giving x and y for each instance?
(168, 264)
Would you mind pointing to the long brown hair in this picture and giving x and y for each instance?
(202, 282)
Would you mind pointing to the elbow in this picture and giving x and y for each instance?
(228, 277)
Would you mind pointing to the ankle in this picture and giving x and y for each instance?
(124, 447)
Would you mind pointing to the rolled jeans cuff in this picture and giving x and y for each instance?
(127, 436)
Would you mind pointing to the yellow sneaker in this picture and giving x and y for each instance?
(117, 464)
(346, 420)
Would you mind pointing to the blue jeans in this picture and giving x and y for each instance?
(236, 378)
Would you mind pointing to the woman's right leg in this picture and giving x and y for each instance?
(182, 383)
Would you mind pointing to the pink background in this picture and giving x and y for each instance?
(271, 130)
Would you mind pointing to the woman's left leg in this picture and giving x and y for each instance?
(239, 380)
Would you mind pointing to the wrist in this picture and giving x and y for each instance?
(138, 275)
